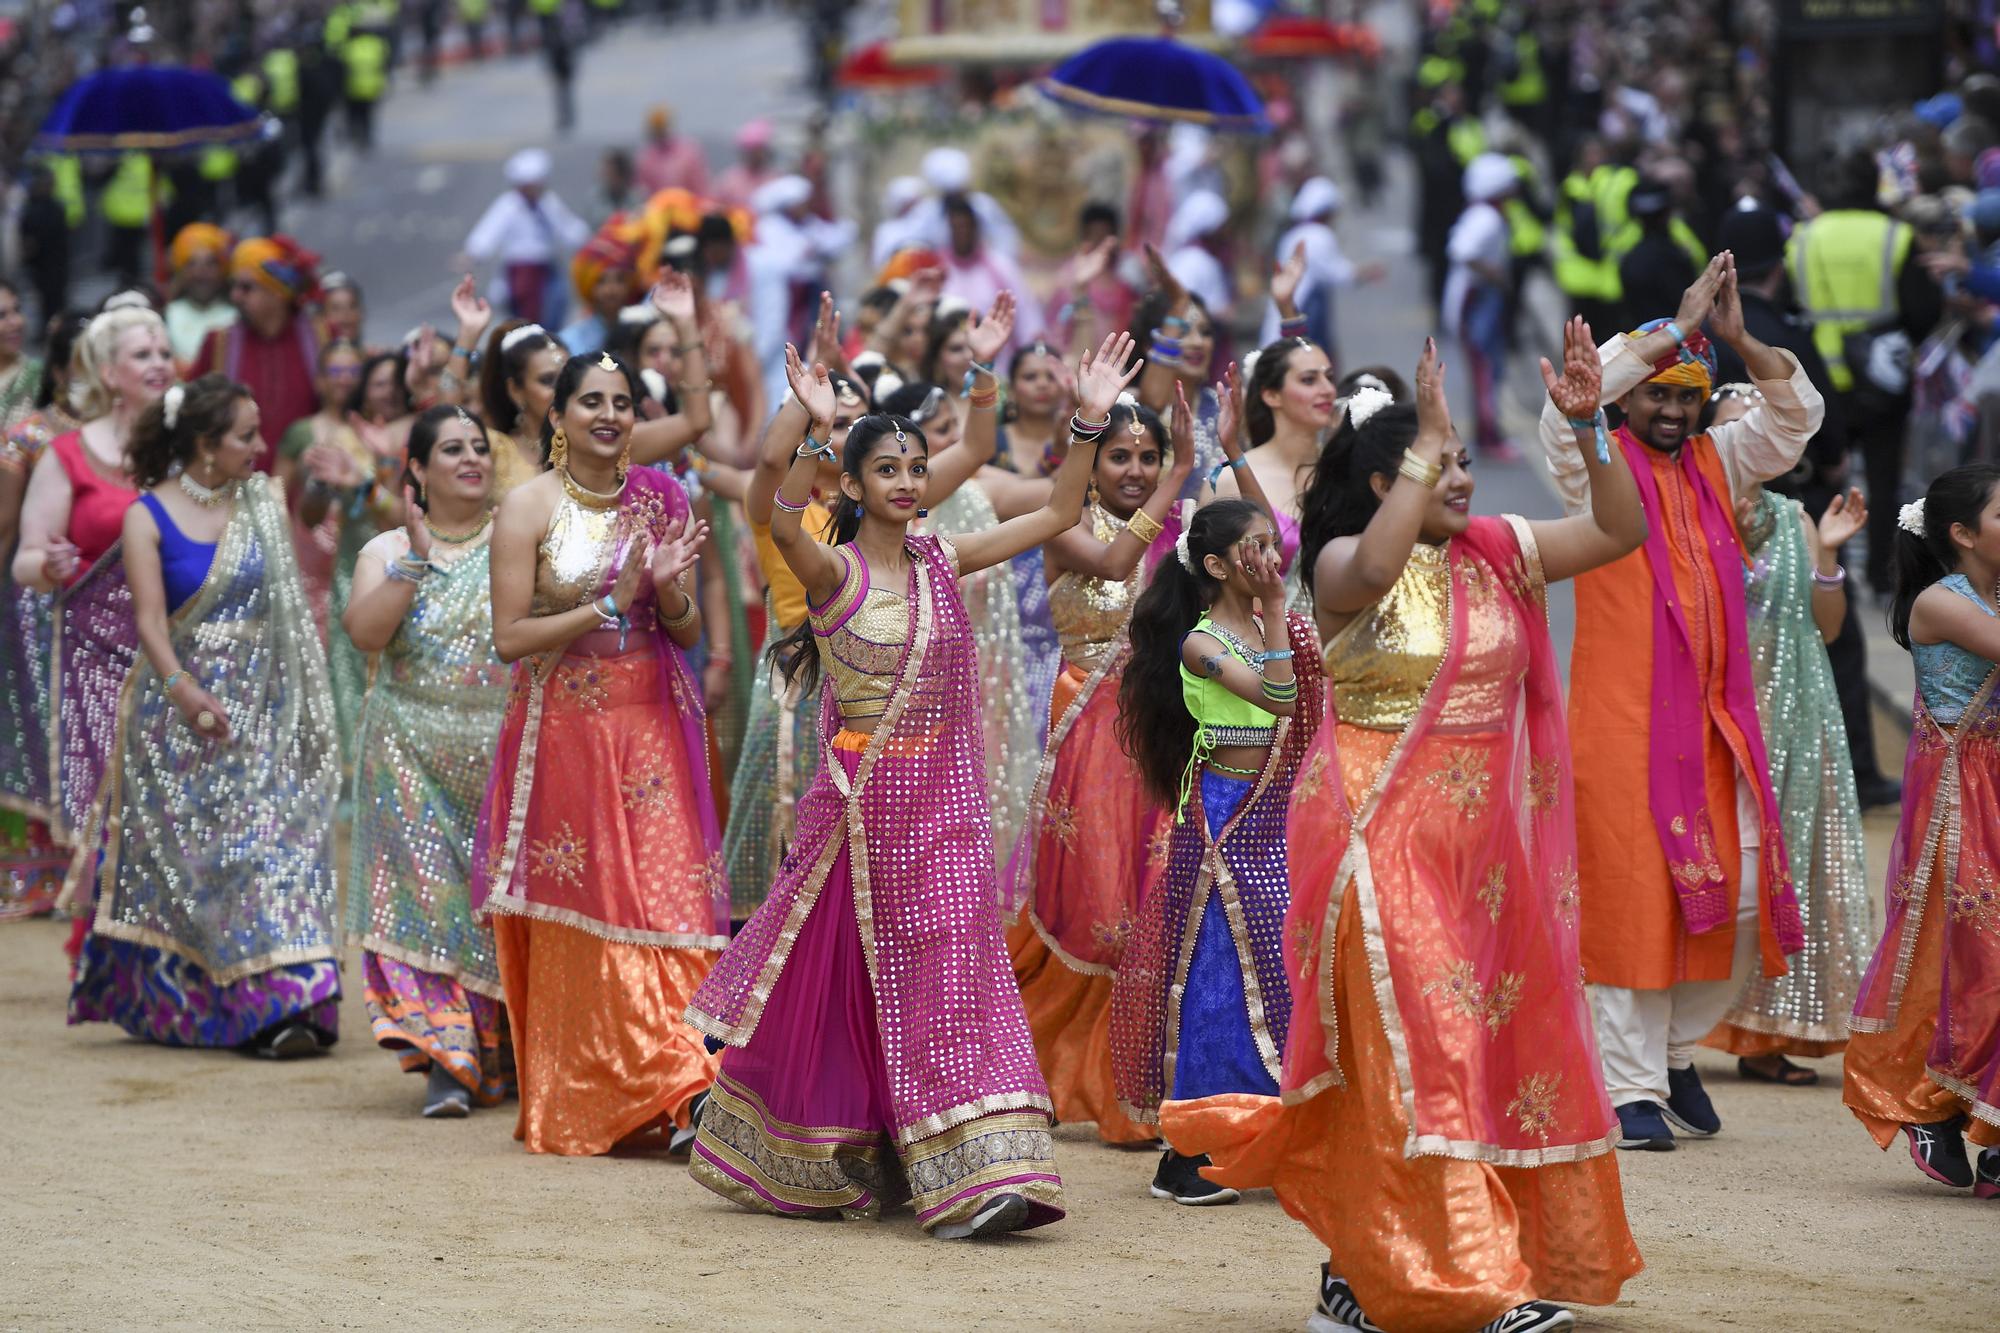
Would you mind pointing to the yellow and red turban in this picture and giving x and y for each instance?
(617, 244)
(1692, 363)
(197, 238)
(278, 263)
(904, 262)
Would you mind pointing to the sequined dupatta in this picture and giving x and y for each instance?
(682, 900)
(1459, 842)
(223, 853)
(95, 641)
(1949, 836)
(915, 824)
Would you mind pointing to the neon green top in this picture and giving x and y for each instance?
(1221, 716)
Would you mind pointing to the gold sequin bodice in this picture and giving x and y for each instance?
(860, 634)
(1380, 664)
(1089, 613)
(573, 556)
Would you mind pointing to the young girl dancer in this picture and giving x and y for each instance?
(1925, 1055)
(878, 1051)
(1216, 712)
(1087, 846)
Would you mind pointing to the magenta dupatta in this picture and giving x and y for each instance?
(678, 914)
(1679, 786)
(916, 823)
(1463, 856)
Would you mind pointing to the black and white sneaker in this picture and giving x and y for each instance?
(292, 1041)
(1939, 1152)
(682, 1140)
(1338, 1311)
(1002, 1214)
(1987, 1175)
(1179, 1178)
(1534, 1317)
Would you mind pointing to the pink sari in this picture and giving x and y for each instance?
(1463, 857)
(1948, 842)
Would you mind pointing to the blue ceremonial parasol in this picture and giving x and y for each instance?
(1158, 79)
(146, 109)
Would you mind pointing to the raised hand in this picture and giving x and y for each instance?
(825, 342)
(987, 337)
(1286, 277)
(1182, 436)
(1726, 318)
(927, 284)
(673, 297)
(1101, 376)
(1090, 264)
(1844, 517)
(811, 386)
(1433, 412)
(675, 555)
(1163, 277)
(1229, 422)
(1578, 393)
(472, 311)
(414, 527)
(1263, 567)
(1699, 299)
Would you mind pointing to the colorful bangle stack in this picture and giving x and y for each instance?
(409, 569)
(786, 505)
(1145, 527)
(817, 449)
(686, 616)
(1281, 692)
(1425, 474)
(1294, 327)
(1164, 350)
(1079, 429)
(984, 400)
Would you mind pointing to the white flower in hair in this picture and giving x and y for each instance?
(1128, 399)
(1180, 542)
(1365, 403)
(521, 335)
(1911, 517)
(170, 405)
(655, 382)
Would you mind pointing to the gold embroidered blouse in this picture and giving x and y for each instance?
(574, 554)
(1089, 613)
(861, 632)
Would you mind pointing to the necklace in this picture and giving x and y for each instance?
(586, 497)
(460, 538)
(204, 496)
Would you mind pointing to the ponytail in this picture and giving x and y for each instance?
(1955, 498)
(1338, 500)
(1154, 725)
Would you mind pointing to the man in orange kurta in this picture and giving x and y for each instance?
(1658, 988)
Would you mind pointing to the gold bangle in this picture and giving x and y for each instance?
(1425, 474)
(687, 615)
(1145, 527)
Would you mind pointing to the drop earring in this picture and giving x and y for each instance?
(559, 449)
(625, 460)
(1092, 497)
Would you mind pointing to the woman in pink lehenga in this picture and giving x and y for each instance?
(1440, 1062)
(878, 1047)
(1924, 1057)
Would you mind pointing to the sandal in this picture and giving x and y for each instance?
(1789, 1075)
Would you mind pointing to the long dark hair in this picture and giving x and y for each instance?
(358, 398)
(1153, 307)
(1338, 501)
(1154, 725)
(500, 368)
(795, 654)
(571, 375)
(423, 438)
(935, 337)
(207, 411)
(1273, 362)
(60, 335)
(1957, 496)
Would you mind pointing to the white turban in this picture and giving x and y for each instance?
(775, 196)
(530, 166)
(1199, 214)
(1316, 198)
(948, 170)
(1489, 176)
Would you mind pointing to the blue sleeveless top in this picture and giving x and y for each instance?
(183, 563)
(1947, 675)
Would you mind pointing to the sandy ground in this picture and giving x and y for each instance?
(202, 1189)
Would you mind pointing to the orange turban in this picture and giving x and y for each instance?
(1692, 363)
(616, 245)
(197, 238)
(278, 263)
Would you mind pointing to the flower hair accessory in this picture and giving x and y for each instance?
(170, 405)
(1180, 542)
(521, 335)
(1365, 403)
(1911, 518)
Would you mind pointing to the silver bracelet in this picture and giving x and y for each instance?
(409, 569)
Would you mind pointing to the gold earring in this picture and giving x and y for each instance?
(1093, 491)
(420, 493)
(624, 460)
(559, 448)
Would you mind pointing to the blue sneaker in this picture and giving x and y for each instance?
(1642, 1127)
(1688, 1105)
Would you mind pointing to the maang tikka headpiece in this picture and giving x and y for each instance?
(604, 362)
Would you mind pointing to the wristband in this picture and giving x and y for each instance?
(1680, 339)
(607, 610)
(1281, 655)
(1295, 327)
(1595, 423)
(819, 449)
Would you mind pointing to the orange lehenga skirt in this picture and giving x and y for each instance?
(1428, 1243)
(602, 1053)
(1091, 834)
